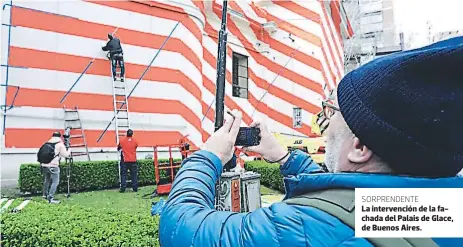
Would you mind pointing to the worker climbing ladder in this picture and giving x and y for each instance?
(121, 105)
(78, 142)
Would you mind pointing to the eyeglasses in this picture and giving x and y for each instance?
(329, 109)
(321, 120)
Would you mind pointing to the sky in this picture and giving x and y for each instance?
(411, 17)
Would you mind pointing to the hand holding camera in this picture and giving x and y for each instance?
(257, 138)
(268, 147)
(221, 143)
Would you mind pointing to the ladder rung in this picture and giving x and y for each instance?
(78, 154)
(122, 118)
(123, 126)
(76, 136)
(122, 109)
(77, 145)
(120, 101)
(119, 87)
(119, 94)
(74, 119)
(70, 110)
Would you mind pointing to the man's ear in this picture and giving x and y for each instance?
(359, 153)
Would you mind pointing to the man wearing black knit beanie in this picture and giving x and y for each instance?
(403, 113)
(396, 122)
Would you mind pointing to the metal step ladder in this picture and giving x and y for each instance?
(77, 139)
(121, 105)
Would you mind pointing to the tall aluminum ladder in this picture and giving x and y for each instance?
(121, 105)
(78, 142)
(121, 109)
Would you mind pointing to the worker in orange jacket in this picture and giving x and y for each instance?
(128, 145)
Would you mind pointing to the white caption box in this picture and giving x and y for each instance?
(400, 213)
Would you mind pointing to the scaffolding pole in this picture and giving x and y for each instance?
(7, 64)
(80, 76)
(7, 107)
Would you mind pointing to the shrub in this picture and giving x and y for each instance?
(86, 175)
(270, 174)
(40, 224)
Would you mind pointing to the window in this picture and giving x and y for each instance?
(297, 117)
(240, 75)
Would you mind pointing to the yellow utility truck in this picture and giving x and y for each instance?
(314, 146)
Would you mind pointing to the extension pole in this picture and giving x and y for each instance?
(221, 70)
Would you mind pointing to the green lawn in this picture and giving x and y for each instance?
(94, 218)
(129, 202)
(267, 191)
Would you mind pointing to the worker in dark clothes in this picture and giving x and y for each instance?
(116, 55)
(128, 145)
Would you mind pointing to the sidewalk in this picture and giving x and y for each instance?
(268, 200)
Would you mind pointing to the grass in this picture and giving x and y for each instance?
(267, 191)
(129, 202)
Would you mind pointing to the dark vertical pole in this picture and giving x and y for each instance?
(7, 63)
(220, 85)
(221, 70)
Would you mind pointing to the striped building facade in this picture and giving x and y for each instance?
(49, 44)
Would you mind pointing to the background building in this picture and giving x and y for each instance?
(374, 31)
(447, 35)
(281, 57)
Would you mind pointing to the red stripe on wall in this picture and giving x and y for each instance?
(15, 138)
(261, 107)
(99, 102)
(282, 48)
(65, 25)
(69, 63)
(296, 31)
(337, 23)
(307, 13)
(157, 9)
(275, 91)
(274, 67)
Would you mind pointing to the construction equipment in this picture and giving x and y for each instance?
(314, 146)
(77, 140)
(169, 169)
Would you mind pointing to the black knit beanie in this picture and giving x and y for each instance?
(408, 108)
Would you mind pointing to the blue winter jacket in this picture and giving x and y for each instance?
(189, 218)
